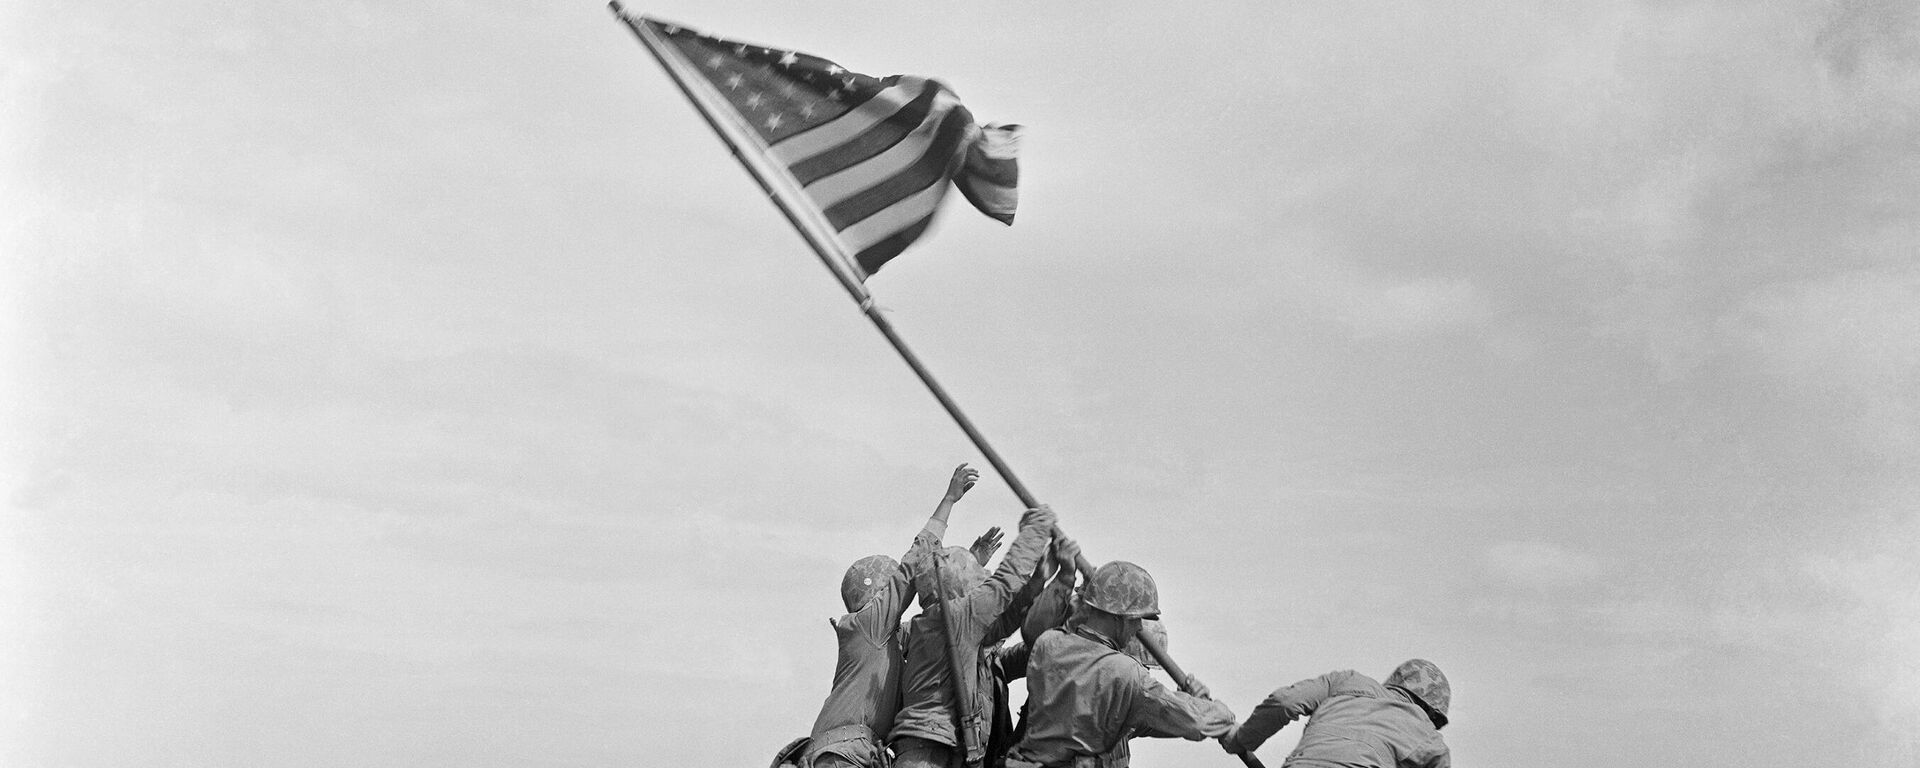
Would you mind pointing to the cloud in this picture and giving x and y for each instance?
(1846, 346)
(1859, 34)
(1711, 151)
(1539, 564)
(1878, 629)
(1413, 307)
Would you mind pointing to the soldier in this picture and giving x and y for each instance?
(1054, 608)
(957, 596)
(1009, 660)
(1086, 696)
(860, 709)
(1354, 722)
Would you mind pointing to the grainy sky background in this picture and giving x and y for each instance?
(420, 384)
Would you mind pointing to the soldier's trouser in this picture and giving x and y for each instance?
(848, 746)
(915, 752)
(1082, 761)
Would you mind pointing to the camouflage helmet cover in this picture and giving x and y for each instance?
(1123, 589)
(865, 578)
(1424, 681)
(959, 573)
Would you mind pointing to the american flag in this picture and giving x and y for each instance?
(873, 156)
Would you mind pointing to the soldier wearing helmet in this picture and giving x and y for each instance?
(1354, 721)
(957, 595)
(1086, 696)
(859, 711)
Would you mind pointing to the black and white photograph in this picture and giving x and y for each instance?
(886, 384)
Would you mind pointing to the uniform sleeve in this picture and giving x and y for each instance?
(1035, 584)
(993, 596)
(1012, 660)
(1050, 608)
(902, 590)
(1281, 707)
(1012, 616)
(1433, 754)
(1166, 713)
(880, 617)
(919, 558)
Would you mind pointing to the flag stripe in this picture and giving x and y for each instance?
(872, 141)
(867, 159)
(930, 170)
(990, 175)
(873, 229)
(902, 157)
(994, 173)
(832, 133)
(995, 201)
(987, 170)
(871, 259)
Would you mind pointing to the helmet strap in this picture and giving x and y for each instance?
(1109, 628)
(1439, 720)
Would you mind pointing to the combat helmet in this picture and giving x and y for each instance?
(1123, 589)
(865, 578)
(1423, 680)
(959, 573)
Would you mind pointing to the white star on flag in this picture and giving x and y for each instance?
(870, 158)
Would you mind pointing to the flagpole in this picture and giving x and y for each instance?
(826, 250)
(769, 186)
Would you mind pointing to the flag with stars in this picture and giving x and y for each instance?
(872, 156)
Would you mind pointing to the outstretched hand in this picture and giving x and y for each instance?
(963, 479)
(984, 547)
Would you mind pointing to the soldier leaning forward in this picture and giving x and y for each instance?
(1354, 721)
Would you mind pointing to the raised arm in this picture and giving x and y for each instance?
(926, 544)
(957, 486)
(991, 599)
(1055, 602)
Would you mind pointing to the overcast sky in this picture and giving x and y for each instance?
(421, 384)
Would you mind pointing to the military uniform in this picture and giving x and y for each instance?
(923, 733)
(1353, 722)
(1086, 697)
(860, 709)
